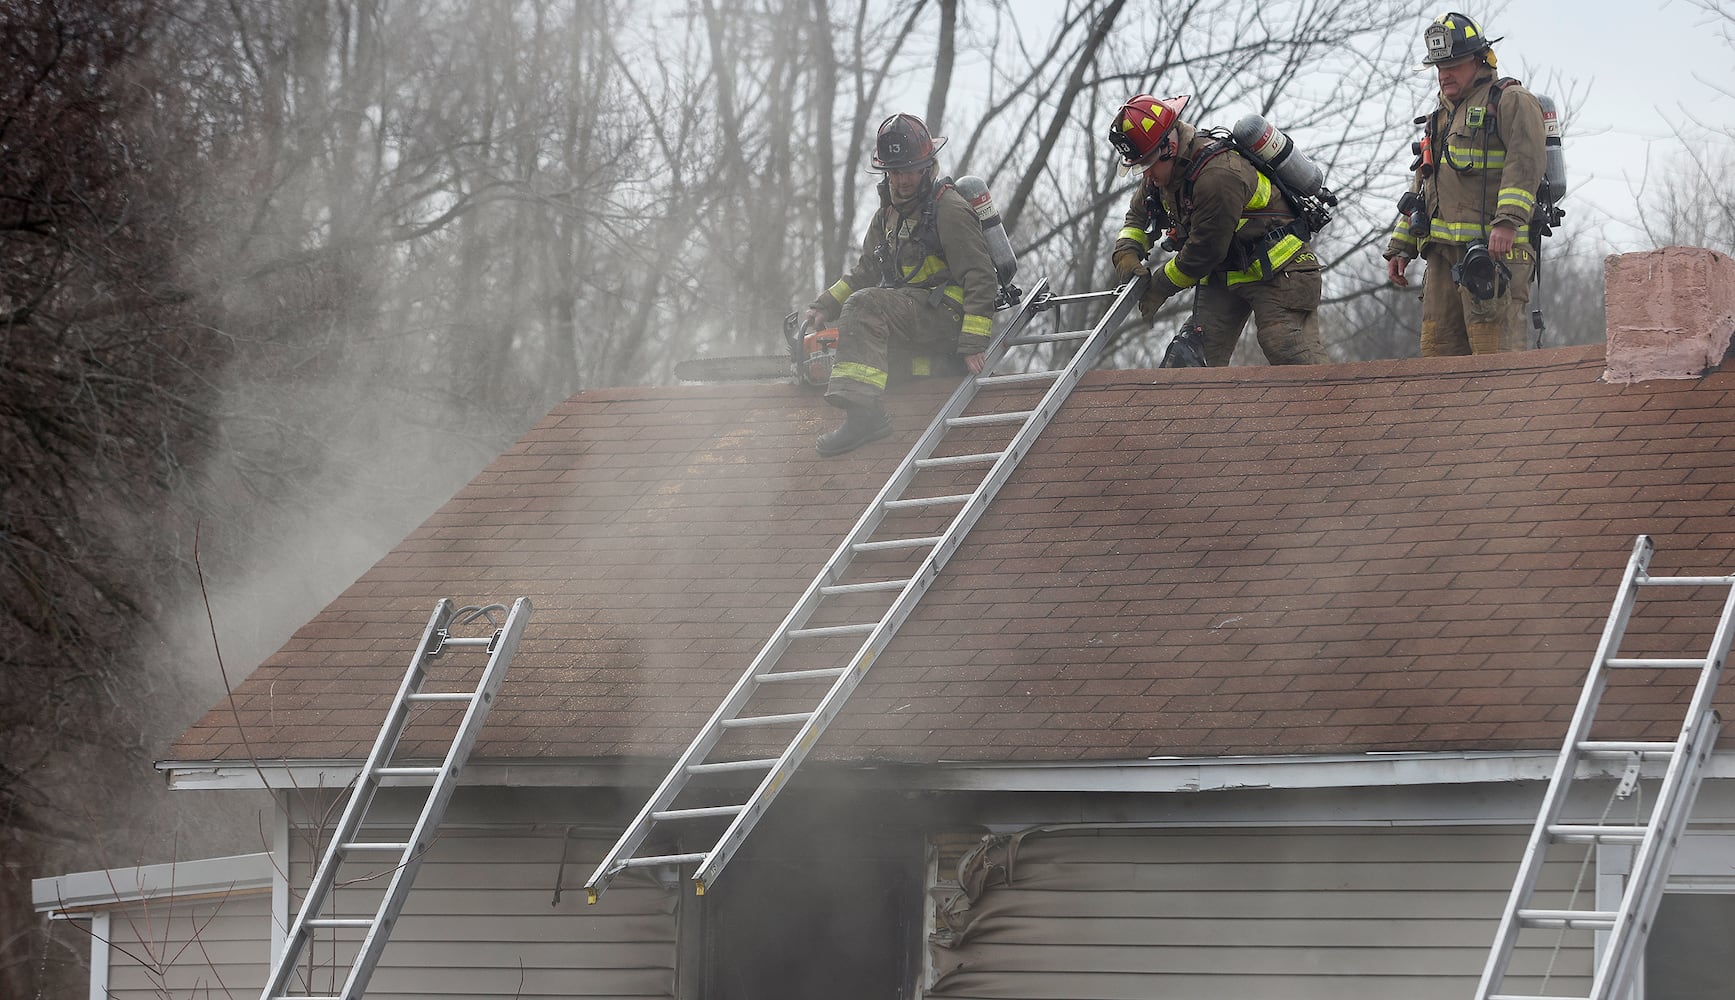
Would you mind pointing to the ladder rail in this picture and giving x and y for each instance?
(831, 574)
(1620, 943)
(1680, 785)
(343, 838)
(1565, 768)
(905, 604)
(360, 797)
(421, 835)
(712, 731)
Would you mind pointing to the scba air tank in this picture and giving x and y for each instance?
(975, 191)
(1262, 140)
(1554, 169)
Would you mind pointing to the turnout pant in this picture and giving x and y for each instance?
(1453, 322)
(873, 320)
(1285, 314)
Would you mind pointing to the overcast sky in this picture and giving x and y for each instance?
(1635, 70)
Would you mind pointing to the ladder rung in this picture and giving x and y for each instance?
(1570, 833)
(1530, 996)
(352, 922)
(767, 720)
(661, 859)
(822, 673)
(927, 501)
(1048, 338)
(762, 764)
(407, 772)
(979, 458)
(356, 845)
(698, 812)
(442, 696)
(1622, 662)
(985, 419)
(1017, 378)
(830, 630)
(925, 542)
(893, 495)
(1593, 919)
(1611, 748)
(467, 641)
(1685, 581)
(301, 996)
(863, 588)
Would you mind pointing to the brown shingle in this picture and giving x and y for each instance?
(1397, 555)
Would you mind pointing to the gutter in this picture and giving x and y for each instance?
(1156, 774)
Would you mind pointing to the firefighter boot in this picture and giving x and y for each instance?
(865, 423)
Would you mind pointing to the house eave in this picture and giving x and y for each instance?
(1162, 774)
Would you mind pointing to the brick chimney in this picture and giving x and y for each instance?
(1670, 313)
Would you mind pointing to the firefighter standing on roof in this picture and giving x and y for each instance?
(1236, 236)
(1479, 164)
(925, 277)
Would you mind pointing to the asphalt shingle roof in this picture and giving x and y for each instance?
(1387, 556)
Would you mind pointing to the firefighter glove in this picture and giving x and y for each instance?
(1156, 293)
(1128, 262)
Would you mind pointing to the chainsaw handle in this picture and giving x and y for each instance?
(796, 327)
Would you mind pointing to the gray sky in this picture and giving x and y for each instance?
(1627, 74)
(1635, 72)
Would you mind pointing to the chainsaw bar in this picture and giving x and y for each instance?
(749, 369)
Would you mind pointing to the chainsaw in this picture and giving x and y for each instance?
(807, 359)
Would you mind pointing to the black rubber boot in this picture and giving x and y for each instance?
(866, 423)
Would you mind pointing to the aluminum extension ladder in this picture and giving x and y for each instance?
(1628, 925)
(735, 713)
(441, 781)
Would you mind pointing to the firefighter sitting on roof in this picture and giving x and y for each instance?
(1234, 230)
(1473, 194)
(924, 277)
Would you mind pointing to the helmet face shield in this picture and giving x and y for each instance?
(1124, 145)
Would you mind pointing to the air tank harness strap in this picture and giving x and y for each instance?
(926, 236)
(1244, 255)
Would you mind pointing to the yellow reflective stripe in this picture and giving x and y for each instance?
(1261, 193)
(978, 326)
(1176, 278)
(921, 365)
(1401, 233)
(1517, 198)
(860, 373)
(1472, 158)
(1137, 235)
(931, 266)
(840, 291)
(956, 294)
(1285, 249)
(1466, 232)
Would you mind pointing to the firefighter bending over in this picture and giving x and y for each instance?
(925, 278)
(1468, 213)
(1236, 238)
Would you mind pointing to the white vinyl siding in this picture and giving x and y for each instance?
(188, 947)
(1268, 914)
(478, 922)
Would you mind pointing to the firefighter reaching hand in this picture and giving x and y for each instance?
(1237, 239)
(1468, 213)
(925, 278)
